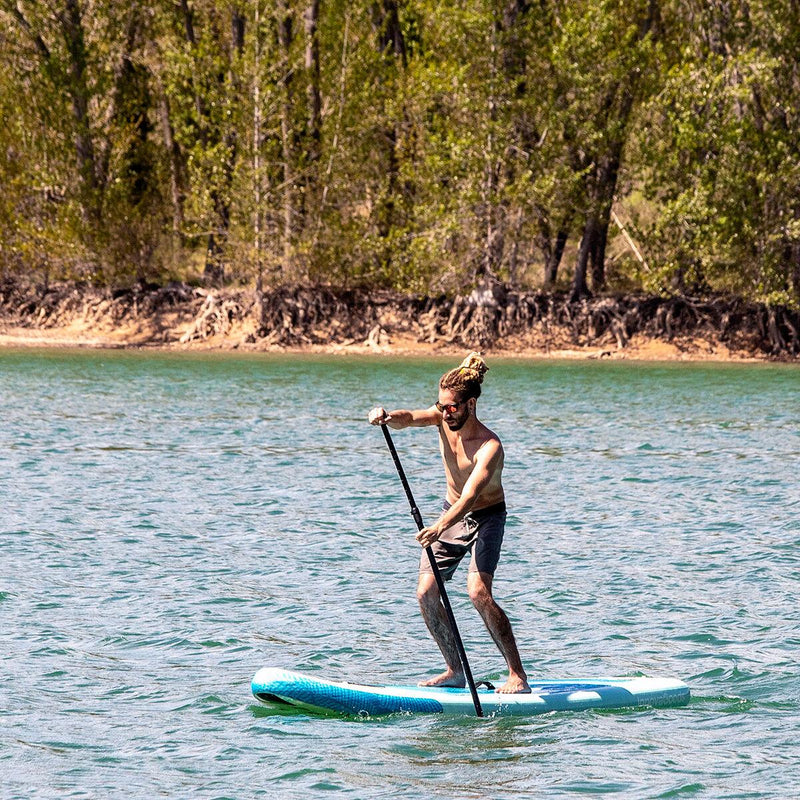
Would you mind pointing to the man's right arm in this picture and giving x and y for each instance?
(405, 419)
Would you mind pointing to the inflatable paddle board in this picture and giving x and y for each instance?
(278, 686)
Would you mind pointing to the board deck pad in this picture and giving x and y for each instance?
(273, 685)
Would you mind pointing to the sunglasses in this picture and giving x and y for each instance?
(450, 408)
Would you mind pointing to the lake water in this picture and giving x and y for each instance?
(172, 523)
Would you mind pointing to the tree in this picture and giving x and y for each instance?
(421, 145)
(86, 88)
(601, 57)
(722, 155)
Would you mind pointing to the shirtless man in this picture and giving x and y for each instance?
(473, 517)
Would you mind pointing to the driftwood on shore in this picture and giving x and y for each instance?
(493, 317)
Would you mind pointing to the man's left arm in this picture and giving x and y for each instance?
(487, 460)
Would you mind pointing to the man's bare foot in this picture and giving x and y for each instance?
(514, 685)
(448, 678)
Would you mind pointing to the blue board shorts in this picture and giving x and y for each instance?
(480, 532)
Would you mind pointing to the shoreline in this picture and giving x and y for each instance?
(640, 348)
(323, 320)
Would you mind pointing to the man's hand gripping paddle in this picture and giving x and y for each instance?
(436, 574)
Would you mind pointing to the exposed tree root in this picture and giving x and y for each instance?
(489, 317)
(216, 316)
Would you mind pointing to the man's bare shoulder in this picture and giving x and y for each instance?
(483, 444)
(491, 446)
(487, 437)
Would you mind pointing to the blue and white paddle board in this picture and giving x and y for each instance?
(279, 686)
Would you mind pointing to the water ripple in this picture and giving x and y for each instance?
(173, 522)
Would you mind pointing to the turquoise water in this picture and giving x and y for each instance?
(172, 523)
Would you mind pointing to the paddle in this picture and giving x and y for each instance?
(462, 654)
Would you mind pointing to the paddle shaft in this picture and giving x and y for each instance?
(462, 654)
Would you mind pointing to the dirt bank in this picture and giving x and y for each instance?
(323, 319)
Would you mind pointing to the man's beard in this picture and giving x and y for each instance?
(458, 423)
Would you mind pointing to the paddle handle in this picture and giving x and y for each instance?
(462, 653)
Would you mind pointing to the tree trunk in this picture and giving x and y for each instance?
(285, 24)
(605, 189)
(386, 15)
(72, 27)
(508, 73)
(188, 26)
(312, 66)
(615, 110)
(491, 245)
(391, 45)
(175, 171)
(794, 266)
(130, 78)
(257, 213)
(553, 259)
(580, 287)
(598, 256)
(214, 272)
(309, 150)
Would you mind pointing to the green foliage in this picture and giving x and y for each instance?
(402, 143)
(720, 156)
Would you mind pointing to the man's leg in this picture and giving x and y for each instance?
(435, 617)
(479, 585)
